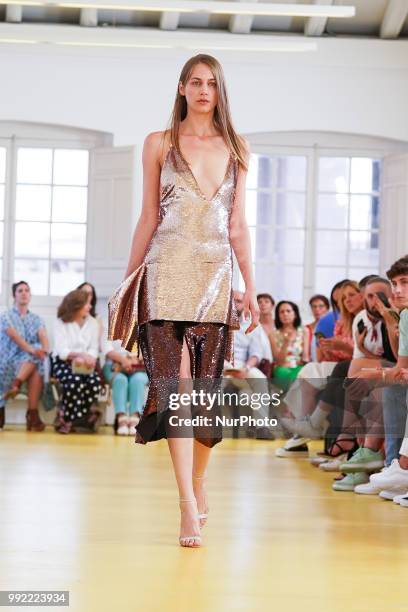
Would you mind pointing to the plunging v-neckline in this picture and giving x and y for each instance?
(196, 182)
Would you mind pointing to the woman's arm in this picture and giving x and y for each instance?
(241, 244)
(279, 353)
(23, 344)
(306, 352)
(43, 337)
(62, 346)
(149, 217)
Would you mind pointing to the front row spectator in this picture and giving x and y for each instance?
(23, 348)
(246, 377)
(290, 344)
(125, 372)
(74, 360)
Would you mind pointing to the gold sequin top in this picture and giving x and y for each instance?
(187, 270)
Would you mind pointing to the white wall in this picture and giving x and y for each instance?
(347, 86)
(355, 86)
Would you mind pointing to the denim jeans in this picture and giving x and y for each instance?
(127, 388)
(395, 416)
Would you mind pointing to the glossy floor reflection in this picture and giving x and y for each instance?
(98, 515)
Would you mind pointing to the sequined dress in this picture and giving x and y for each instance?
(187, 270)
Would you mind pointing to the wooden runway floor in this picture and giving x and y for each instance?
(98, 515)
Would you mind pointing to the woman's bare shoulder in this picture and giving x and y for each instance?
(156, 145)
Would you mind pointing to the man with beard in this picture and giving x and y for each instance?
(373, 341)
(372, 349)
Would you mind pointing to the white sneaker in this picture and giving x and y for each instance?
(295, 441)
(391, 494)
(368, 489)
(404, 501)
(398, 499)
(303, 427)
(392, 477)
(334, 465)
(316, 461)
(133, 422)
(298, 451)
(123, 427)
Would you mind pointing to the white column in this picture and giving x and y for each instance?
(394, 210)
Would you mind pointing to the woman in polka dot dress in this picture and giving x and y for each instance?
(74, 358)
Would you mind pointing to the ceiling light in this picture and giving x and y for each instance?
(208, 7)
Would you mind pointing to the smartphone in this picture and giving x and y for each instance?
(360, 326)
(383, 298)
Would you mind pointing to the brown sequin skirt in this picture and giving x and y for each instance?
(161, 344)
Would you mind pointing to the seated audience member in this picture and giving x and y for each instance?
(122, 370)
(76, 336)
(392, 481)
(266, 328)
(326, 323)
(289, 344)
(319, 305)
(303, 396)
(125, 372)
(372, 347)
(245, 376)
(363, 417)
(23, 348)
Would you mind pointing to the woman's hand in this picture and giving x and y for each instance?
(126, 364)
(251, 307)
(89, 361)
(332, 344)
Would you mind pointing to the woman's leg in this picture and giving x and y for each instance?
(137, 385)
(69, 383)
(24, 371)
(181, 452)
(120, 393)
(34, 387)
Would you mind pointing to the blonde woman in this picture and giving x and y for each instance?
(301, 400)
(177, 298)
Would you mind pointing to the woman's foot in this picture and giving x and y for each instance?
(133, 422)
(122, 425)
(189, 525)
(342, 445)
(14, 389)
(33, 421)
(200, 494)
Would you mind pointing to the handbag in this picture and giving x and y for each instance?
(47, 397)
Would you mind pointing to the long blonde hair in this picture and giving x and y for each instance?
(346, 316)
(222, 114)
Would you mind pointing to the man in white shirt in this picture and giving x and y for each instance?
(370, 341)
(245, 377)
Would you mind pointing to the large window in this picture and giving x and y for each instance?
(275, 207)
(347, 219)
(50, 218)
(313, 219)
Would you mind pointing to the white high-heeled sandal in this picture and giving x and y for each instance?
(204, 515)
(185, 540)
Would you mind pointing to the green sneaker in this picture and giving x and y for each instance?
(363, 460)
(350, 481)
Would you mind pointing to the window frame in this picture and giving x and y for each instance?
(312, 153)
(43, 302)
